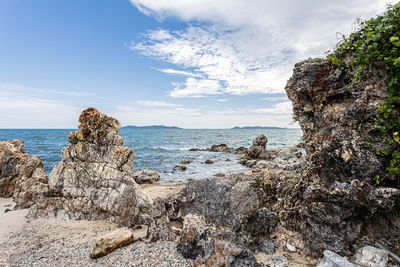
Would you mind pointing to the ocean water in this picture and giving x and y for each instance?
(162, 149)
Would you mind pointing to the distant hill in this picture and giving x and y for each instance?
(256, 127)
(150, 127)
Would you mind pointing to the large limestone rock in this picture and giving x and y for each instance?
(340, 201)
(21, 176)
(94, 179)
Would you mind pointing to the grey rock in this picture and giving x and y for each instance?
(290, 248)
(277, 261)
(94, 179)
(332, 259)
(111, 241)
(371, 257)
(143, 176)
(221, 148)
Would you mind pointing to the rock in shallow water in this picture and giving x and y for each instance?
(94, 179)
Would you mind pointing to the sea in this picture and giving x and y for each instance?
(163, 149)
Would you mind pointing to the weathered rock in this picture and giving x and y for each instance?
(208, 161)
(258, 147)
(94, 179)
(221, 148)
(371, 257)
(186, 161)
(179, 168)
(21, 176)
(112, 241)
(332, 259)
(143, 176)
(277, 261)
(335, 116)
(241, 150)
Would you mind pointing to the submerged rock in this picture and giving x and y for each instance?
(179, 168)
(143, 176)
(21, 176)
(94, 179)
(186, 161)
(208, 161)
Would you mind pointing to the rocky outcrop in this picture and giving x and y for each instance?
(143, 176)
(258, 147)
(222, 148)
(340, 202)
(21, 176)
(94, 179)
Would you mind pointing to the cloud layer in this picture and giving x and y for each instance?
(243, 47)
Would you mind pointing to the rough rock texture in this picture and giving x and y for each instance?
(94, 179)
(332, 259)
(111, 241)
(21, 176)
(258, 147)
(371, 257)
(143, 176)
(335, 115)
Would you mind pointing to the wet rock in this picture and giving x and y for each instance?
(371, 257)
(186, 161)
(209, 161)
(221, 148)
(195, 149)
(179, 168)
(258, 147)
(21, 176)
(94, 179)
(241, 150)
(332, 259)
(143, 176)
(111, 241)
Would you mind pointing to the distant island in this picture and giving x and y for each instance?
(150, 127)
(256, 127)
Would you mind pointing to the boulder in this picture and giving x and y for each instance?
(143, 176)
(221, 148)
(21, 176)
(186, 161)
(111, 241)
(371, 257)
(179, 168)
(332, 259)
(258, 147)
(94, 179)
(209, 161)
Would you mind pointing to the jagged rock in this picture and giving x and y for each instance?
(241, 150)
(208, 161)
(179, 168)
(258, 147)
(277, 261)
(143, 176)
(112, 241)
(371, 257)
(334, 115)
(94, 179)
(186, 161)
(21, 176)
(221, 148)
(332, 259)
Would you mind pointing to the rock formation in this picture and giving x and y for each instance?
(143, 176)
(21, 176)
(94, 179)
(340, 203)
(258, 147)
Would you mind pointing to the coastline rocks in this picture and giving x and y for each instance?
(179, 168)
(209, 161)
(143, 176)
(21, 176)
(258, 147)
(94, 179)
(221, 148)
(186, 161)
(339, 204)
(111, 241)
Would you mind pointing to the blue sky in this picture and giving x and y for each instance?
(192, 63)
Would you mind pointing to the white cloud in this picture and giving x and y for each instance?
(248, 46)
(222, 100)
(178, 72)
(148, 103)
(196, 88)
(279, 108)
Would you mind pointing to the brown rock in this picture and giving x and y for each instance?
(21, 176)
(112, 241)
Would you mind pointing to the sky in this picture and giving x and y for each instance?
(186, 63)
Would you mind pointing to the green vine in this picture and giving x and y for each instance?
(378, 40)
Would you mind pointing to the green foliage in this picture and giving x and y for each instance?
(378, 40)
